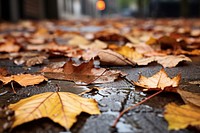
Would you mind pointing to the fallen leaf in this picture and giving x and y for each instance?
(128, 52)
(78, 41)
(30, 61)
(110, 35)
(49, 69)
(19, 54)
(158, 81)
(84, 73)
(189, 97)
(23, 79)
(145, 61)
(109, 76)
(61, 107)
(180, 117)
(109, 57)
(52, 46)
(141, 48)
(151, 41)
(3, 72)
(96, 45)
(172, 61)
(167, 42)
(9, 46)
(193, 52)
(165, 61)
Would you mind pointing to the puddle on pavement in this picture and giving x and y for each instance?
(124, 128)
(66, 86)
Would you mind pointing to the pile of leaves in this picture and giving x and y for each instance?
(88, 47)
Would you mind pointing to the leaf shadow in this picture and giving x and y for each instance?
(42, 125)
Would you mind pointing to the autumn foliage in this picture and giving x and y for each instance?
(74, 52)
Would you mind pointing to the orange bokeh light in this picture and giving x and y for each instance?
(100, 5)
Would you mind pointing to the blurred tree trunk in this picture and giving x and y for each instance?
(184, 8)
(140, 8)
(199, 7)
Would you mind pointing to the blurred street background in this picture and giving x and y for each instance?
(14, 10)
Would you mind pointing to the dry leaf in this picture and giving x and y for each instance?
(52, 46)
(61, 107)
(158, 81)
(167, 42)
(30, 61)
(49, 69)
(78, 40)
(151, 41)
(3, 72)
(128, 52)
(96, 45)
(9, 47)
(193, 52)
(165, 61)
(180, 117)
(172, 61)
(23, 79)
(109, 76)
(189, 97)
(141, 48)
(84, 73)
(109, 57)
(111, 35)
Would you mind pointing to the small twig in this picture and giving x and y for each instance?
(132, 107)
(57, 88)
(13, 88)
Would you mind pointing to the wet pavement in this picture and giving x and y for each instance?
(112, 98)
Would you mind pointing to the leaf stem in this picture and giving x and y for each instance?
(132, 107)
(57, 88)
(12, 86)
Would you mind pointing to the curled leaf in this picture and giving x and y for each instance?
(158, 81)
(109, 57)
(165, 61)
(189, 97)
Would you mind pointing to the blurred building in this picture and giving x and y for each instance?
(53, 9)
(14, 10)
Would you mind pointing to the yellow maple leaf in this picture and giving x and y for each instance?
(61, 107)
(23, 79)
(160, 80)
(179, 117)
